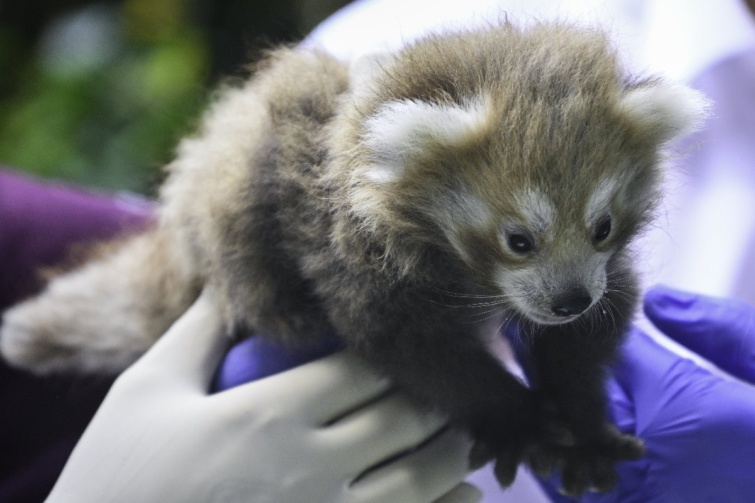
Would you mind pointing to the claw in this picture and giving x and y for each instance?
(505, 468)
(630, 448)
(620, 446)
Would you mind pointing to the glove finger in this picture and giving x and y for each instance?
(192, 347)
(384, 429)
(426, 474)
(720, 330)
(642, 365)
(321, 391)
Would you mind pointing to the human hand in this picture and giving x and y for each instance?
(698, 426)
(306, 435)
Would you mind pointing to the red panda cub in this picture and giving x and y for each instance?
(398, 202)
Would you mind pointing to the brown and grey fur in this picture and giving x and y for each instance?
(375, 202)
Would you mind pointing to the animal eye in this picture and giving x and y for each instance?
(603, 230)
(520, 243)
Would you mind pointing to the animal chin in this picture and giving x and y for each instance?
(541, 318)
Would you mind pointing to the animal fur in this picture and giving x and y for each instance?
(398, 203)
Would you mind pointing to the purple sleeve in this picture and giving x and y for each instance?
(38, 223)
(41, 419)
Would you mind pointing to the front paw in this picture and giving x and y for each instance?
(585, 463)
(506, 460)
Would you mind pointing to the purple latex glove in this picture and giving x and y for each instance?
(699, 427)
(256, 358)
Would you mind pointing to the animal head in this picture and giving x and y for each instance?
(527, 154)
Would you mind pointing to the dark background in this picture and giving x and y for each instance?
(99, 92)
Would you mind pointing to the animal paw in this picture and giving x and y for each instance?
(506, 460)
(586, 464)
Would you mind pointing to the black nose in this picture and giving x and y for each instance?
(571, 303)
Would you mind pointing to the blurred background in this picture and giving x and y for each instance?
(99, 92)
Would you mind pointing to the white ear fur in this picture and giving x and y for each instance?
(667, 109)
(402, 128)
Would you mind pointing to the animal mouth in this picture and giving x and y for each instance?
(551, 319)
(545, 317)
(559, 310)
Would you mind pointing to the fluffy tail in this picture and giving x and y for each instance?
(103, 316)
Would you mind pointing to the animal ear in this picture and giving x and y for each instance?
(401, 130)
(665, 110)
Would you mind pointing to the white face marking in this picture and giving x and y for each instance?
(402, 128)
(537, 209)
(384, 173)
(462, 211)
(519, 287)
(472, 212)
(599, 203)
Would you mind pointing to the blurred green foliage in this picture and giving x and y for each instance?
(109, 87)
(111, 122)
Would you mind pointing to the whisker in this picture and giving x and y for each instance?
(494, 315)
(461, 295)
(482, 315)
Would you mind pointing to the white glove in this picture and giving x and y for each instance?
(306, 435)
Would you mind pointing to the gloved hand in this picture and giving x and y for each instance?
(306, 435)
(699, 427)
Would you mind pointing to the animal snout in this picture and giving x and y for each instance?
(571, 303)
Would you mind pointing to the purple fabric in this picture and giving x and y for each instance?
(699, 427)
(41, 419)
(38, 223)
